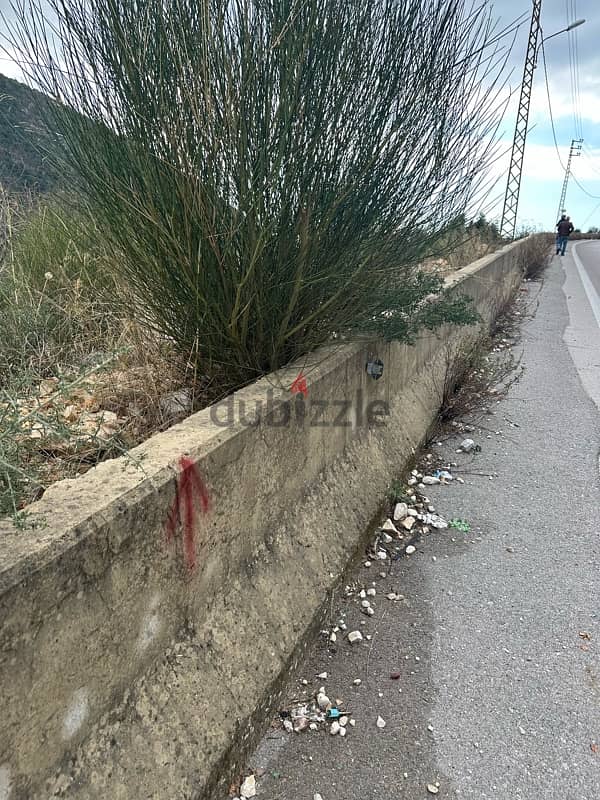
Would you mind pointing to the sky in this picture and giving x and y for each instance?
(573, 65)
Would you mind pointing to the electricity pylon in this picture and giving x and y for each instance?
(573, 153)
(511, 198)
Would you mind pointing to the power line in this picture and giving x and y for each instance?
(550, 106)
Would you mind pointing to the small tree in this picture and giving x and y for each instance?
(271, 172)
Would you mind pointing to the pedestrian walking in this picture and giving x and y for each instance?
(564, 228)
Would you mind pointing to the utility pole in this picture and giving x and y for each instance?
(573, 153)
(511, 198)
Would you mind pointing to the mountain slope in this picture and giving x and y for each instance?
(23, 140)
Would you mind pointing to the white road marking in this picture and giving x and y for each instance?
(590, 291)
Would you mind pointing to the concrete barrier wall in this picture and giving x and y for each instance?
(125, 673)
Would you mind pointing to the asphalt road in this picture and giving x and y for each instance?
(499, 693)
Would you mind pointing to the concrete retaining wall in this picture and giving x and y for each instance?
(125, 674)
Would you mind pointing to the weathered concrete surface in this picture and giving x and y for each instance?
(125, 675)
(498, 696)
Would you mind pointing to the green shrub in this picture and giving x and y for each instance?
(272, 172)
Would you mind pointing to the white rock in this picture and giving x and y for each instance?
(432, 788)
(410, 550)
(421, 487)
(322, 676)
(381, 555)
(288, 726)
(371, 592)
(365, 604)
(400, 511)
(248, 787)
(357, 681)
(343, 721)
(412, 512)
(352, 722)
(335, 728)
(333, 637)
(386, 538)
(459, 480)
(389, 527)
(415, 472)
(370, 611)
(304, 682)
(313, 726)
(317, 796)
(380, 722)
(342, 732)
(467, 445)
(354, 637)
(323, 701)
(412, 481)
(363, 593)
(408, 523)
(367, 563)
(429, 480)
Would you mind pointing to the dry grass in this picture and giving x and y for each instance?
(79, 381)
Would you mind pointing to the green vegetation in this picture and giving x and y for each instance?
(273, 172)
(252, 180)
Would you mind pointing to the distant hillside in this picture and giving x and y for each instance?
(23, 163)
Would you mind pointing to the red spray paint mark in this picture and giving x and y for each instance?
(190, 492)
(299, 385)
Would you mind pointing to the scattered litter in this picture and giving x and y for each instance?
(248, 787)
(380, 722)
(437, 522)
(333, 713)
(460, 525)
(584, 635)
(443, 475)
(430, 480)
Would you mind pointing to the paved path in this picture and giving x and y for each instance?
(488, 642)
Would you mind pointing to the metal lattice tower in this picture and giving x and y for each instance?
(573, 153)
(511, 198)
